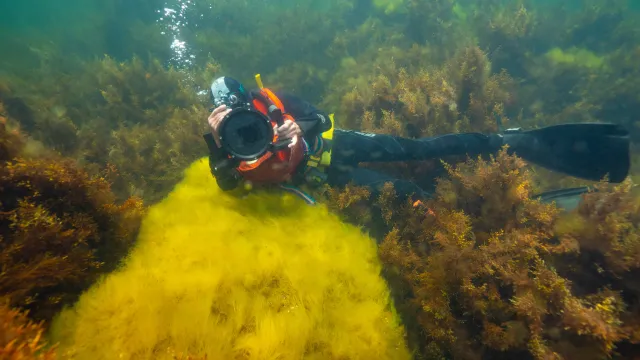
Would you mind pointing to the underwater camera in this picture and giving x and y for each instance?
(246, 133)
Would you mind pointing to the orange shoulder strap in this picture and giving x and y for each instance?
(274, 99)
(269, 98)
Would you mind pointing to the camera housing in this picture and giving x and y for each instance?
(246, 134)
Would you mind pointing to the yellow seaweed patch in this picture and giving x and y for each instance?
(389, 6)
(576, 57)
(265, 277)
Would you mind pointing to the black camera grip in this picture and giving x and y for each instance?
(281, 144)
(276, 114)
(227, 177)
(214, 151)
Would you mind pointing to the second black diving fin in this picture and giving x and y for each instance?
(565, 199)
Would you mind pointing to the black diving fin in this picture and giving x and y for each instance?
(589, 151)
(565, 199)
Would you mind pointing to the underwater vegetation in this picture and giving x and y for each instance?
(216, 275)
(133, 117)
(407, 96)
(481, 271)
(21, 338)
(60, 228)
(484, 271)
(281, 38)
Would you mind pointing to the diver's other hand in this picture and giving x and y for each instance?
(214, 121)
(289, 130)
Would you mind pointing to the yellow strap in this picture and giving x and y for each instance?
(314, 158)
(329, 134)
(325, 159)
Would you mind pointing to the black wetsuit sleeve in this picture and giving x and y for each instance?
(311, 120)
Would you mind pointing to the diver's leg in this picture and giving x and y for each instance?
(352, 147)
(585, 150)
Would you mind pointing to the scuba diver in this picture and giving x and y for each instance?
(260, 138)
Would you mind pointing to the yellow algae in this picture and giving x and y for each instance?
(264, 277)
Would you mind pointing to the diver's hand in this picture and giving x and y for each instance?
(214, 121)
(289, 130)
